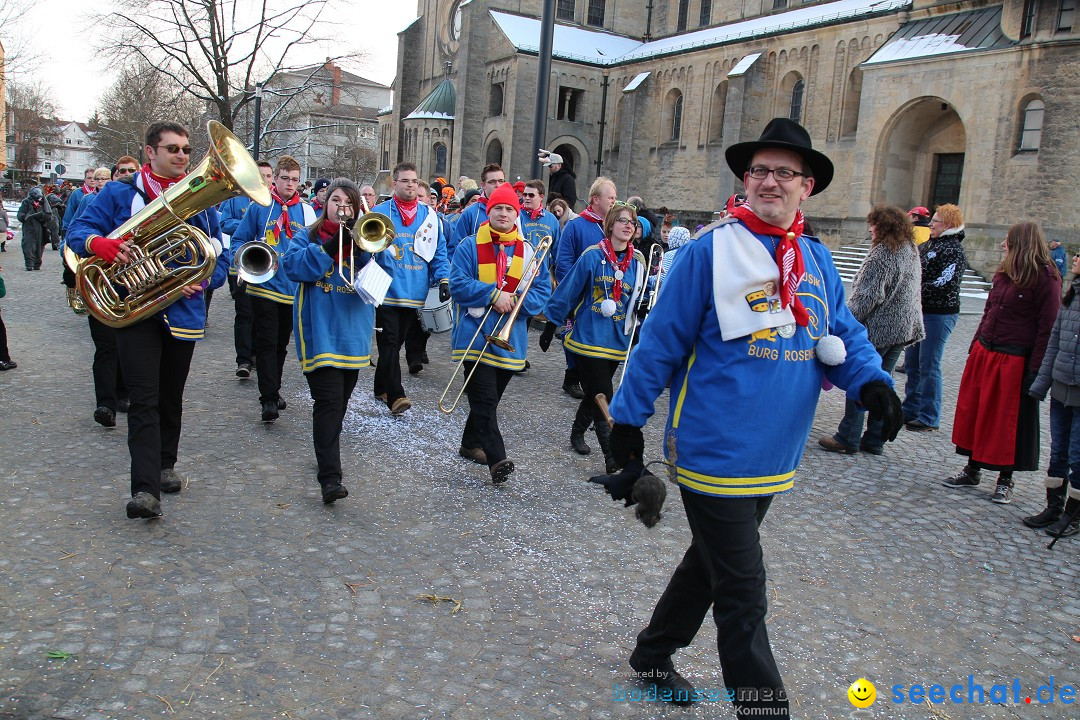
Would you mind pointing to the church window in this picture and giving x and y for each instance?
(795, 112)
(1027, 23)
(596, 13)
(440, 158)
(779, 4)
(1031, 125)
(564, 10)
(849, 120)
(570, 102)
(705, 16)
(495, 102)
(1066, 13)
(716, 122)
(674, 114)
(684, 13)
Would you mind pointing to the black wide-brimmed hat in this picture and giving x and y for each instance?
(786, 135)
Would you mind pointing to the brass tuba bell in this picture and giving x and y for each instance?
(168, 254)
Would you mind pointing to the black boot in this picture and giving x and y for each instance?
(603, 436)
(577, 435)
(1055, 503)
(1069, 522)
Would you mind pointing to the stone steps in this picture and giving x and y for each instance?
(849, 258)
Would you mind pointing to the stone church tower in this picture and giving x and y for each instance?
(916, 102)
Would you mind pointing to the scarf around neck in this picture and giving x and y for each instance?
(407, 208)
(492, 265)
(591, 216)
(608, 248)
(789, 259)
(155, 184)
(283, 222)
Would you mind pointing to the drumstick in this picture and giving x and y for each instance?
(601, 402)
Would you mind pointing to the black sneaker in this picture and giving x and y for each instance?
(143, 505)
(961, 479)
(415, 367)
(105, 416)
(333, 491)
(573, 390)
(171, 482)
(123, 405)
(501, 471)
(281, 404)
(269, 411)
(243, 370)
(670, 685)
(1002, 494)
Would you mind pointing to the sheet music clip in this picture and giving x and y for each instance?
(372, 282)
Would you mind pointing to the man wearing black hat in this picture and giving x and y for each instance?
(318, 193)
(763, 335)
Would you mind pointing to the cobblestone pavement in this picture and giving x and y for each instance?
(250, 599)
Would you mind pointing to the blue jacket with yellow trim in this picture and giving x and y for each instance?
(413, 277)
(331, 324)
(578, 234)
(111, 208)
(257, 221)
(468, 292)
(72, 208)
(468, 222)
(581, 292)
(232, 212)
(766, 385)
(534, 230)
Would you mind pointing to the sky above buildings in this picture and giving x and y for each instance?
(67, 40)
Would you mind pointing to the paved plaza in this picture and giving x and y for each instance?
(251, 599)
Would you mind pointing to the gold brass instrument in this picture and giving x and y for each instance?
(501, 336)
(167, 254)
(255, 262)
(373, 232)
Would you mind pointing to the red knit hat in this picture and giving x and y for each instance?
(504, 195)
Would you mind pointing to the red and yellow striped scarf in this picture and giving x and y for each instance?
(491, 260)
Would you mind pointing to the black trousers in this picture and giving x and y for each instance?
(243, 328)
(394, 324)
(32, 248)
(155, 367)
(108, 378)
(484, 391)
(723, 568)
(595, 375)
(331, 389)
(5, 356)
(416, 344)
(273, 328)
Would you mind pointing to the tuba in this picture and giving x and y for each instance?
(168, 254)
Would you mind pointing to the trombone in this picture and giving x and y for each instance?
(500, 337)
(656, 258)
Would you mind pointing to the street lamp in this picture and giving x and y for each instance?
(258, 120)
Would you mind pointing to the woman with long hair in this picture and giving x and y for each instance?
(332, 324)
(600, 292)
(886, 298)
(943, 264)
(996, 424)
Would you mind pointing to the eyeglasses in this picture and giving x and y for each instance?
(760, 172)
(625, 221)
(175, 149)
(125, 171)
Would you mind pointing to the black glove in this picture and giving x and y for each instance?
(643, 311)
(882, 404)
(1029, 378)
(620, 485)
(331, 246)
(546, 336)
(627, 443)
(444, 291)
(350, 223)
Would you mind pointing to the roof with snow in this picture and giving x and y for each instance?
(944, 35)
(438, 105)
(604, 48)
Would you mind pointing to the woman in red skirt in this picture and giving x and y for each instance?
(996, 423)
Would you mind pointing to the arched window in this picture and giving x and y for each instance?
(795, 112)
(495, 101)
(439, 151)
(716, 121)
(674, 106)
(1031, 124)
(494, 152)
(684, 15)
(849, 121)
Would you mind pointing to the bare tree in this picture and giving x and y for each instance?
(33, 123)
(140, 96)
(218, 50)
(355, 161)
(19, 55)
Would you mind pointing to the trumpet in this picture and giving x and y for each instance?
(256, 262)
(501, 337)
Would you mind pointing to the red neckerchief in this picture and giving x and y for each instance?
(588, 214)
(87, 190)
(283, 218)
(789, 258)
(500, 257)
(155, 183)
(534, 214)
(609, 252)
(407, 208)
(316, 206)
(327, 231)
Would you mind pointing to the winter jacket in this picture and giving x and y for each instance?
(74, 199)
(258, 225)
(35, 220)
(1021, 317)
(412, 275)
(562, 183)
(943, 264)
(1061, 362)
(886, 296)
(468, 222)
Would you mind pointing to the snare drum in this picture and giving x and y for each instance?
(436, 316)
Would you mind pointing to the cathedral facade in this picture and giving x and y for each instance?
(916, 102)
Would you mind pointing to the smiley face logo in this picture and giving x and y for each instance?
(862, 693)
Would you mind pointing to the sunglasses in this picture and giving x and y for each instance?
(125, 171)
(620, 203)
(175, 149)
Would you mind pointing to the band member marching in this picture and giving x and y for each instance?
(333, 325)
(272, 299)
(417, 262)
(487, 271)
(155, 353)
(601, 291)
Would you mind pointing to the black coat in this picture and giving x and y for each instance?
(562, 183)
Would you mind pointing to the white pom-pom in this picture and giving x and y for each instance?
(831, 350)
